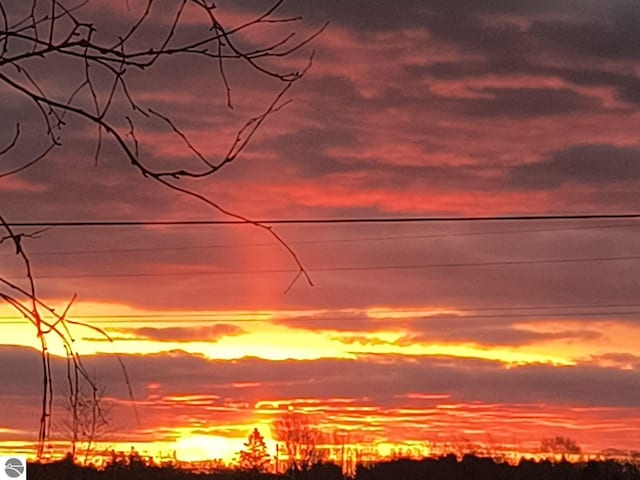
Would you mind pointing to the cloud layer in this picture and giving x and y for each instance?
(438, 108)
(392, 398)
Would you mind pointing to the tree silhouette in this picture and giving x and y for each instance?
(88, 420)
(109, 60)
(254, 457)
(560, 445)
(302, 441)
(133, 466)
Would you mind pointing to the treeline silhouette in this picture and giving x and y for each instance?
(444, 468)
(484, 468)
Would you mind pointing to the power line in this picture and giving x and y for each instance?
(289, 313)
(312, 221)
(349, 268)
(209, 318)
(329, 241)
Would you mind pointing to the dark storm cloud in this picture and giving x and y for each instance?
(588, 164)
(625, 84)
(380, 15)
(362, 14)
(460, 28)
(381, 379)
(499, 6)
(211, 333)
(620, 360)
(527, 103)
(450, 70)
(306, 149)
(487, 332)
(612, 36)
(485, 329)
(601, 31)
(339, 99)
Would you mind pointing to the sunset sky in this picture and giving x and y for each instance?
(500, 332)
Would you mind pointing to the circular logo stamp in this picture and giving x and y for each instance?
(14, 468)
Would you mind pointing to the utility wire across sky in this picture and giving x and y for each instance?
(359, 239)
(208, 318)
(295, 221)
(346, 268)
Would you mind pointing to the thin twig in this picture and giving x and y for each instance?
(51, 30)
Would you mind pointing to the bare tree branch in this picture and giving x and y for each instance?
(97, 91)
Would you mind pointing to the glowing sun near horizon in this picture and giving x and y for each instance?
(196, 448)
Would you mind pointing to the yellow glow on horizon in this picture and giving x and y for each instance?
(385, 428)
(276, 342)
(194, 448)
(271, 341)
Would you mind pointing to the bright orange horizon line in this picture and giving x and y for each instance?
(100, 458)
(199, 448)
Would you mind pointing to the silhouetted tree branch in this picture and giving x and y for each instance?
(88, 417)
(38, 36)
(560, 445)
(54, 30)
(48, 323)
(302, 441)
